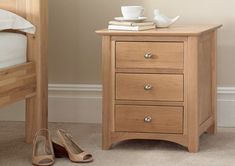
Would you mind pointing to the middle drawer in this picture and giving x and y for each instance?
(161, 87)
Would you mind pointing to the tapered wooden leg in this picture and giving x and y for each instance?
(108, 94)
(37, 106)
(193, 97)
(106, 141)
(212, 129)
(30, 126)
(106, 145)
(193, 146)
(36, 117)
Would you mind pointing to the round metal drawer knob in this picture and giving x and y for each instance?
(148, 56)
(147, 119)
(148, 87)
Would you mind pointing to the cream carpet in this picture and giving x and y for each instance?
(218, 150)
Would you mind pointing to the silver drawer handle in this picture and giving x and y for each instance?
(148, 119)
(148, 56)
(148, 87)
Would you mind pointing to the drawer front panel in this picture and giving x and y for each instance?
(161, 87)
(158, 119)
(149, 55)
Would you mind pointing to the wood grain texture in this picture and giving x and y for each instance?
(148, 102)
(186, 68)
(165, 87)
(168, 55)
(177, 138)
(153, 38)
(191, 76)
(204, 77)
(164, 119)
(206, 125)
(16, 6)
(107, 92)
(189, 88)
(213, 128)
(36, 106)
(151, 71)
(17, 83)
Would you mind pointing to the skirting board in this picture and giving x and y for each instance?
(83, 103)
(67, 103)
(226, 106)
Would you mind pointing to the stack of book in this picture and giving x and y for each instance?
(131, 26)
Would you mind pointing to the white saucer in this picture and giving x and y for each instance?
(130, 19)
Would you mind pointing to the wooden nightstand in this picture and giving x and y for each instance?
(159, 84)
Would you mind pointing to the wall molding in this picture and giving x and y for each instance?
(226, 90)
(226, 106)
(98, 88)
(83, 103)
(226, 94)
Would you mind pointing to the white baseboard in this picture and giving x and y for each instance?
(67, 103)
(226, 106)
(83, 103)
(75, 103)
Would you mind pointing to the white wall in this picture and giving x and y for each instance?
(75, 49)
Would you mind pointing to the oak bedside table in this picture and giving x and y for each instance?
(159, 84)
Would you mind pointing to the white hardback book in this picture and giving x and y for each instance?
(127, 23)
(130, 28)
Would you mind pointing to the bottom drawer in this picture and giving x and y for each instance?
(155, 119)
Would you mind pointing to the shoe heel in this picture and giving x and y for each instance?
(59, 150)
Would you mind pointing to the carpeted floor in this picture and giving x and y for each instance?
(218, 150)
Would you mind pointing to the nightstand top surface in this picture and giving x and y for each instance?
(176, 30)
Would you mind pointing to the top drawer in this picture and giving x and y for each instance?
(149, 55)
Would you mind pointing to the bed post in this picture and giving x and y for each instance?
(37, 106)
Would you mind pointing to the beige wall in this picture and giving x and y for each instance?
(74, 48)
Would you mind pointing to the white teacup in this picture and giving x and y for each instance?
(132, 12)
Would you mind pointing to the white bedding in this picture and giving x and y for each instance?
(9, 20)
(13, 49)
